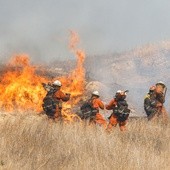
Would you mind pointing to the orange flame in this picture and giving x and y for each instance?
(75, 82)
(21, 88)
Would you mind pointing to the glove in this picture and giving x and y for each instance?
(68, 94)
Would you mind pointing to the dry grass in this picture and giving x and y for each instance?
(32, 142)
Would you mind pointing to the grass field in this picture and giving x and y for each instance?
(28, 141)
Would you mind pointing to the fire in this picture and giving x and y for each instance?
(21, 88)
(75, 82)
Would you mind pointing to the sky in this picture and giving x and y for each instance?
(40, 28)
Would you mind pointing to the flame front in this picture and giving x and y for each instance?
(21, 88)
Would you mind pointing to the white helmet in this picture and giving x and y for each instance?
(96, 93)
(119, 91)
(57, 83)
(160, 82)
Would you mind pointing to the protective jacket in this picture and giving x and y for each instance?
(119, 115)
(98, 119)
(60, 97)
(120, 109)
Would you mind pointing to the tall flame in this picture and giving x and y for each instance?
(76, 79)
(75, 82)
(21, 88)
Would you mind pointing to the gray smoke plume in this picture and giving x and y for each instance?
(41, 28)
(135, 70)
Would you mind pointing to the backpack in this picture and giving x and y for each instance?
(87, 110)
(150, 102)
(49, 103)
(122, 111)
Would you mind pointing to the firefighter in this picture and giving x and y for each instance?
(120, 110)
(154, 100)
(53, 101)
(61, 97)
(97, 104)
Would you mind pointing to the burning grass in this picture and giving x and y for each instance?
(29, 141)
(21, 87)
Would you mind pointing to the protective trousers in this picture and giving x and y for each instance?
(99, 119)
(58, 115)
(114, 121)
(162, 113)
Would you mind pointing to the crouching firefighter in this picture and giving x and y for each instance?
(90, 110)
(154, 100)
(120, 110)
(52, 103)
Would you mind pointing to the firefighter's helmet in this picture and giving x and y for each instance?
(121, 94)
(57, 83)
(161, 83)
(96, 93)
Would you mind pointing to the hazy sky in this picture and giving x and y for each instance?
(41, 27)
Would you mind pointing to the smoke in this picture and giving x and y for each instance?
(41, 28)
(135, 70)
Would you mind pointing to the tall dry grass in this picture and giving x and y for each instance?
(32, 142)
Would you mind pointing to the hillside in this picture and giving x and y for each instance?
(135, 70)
